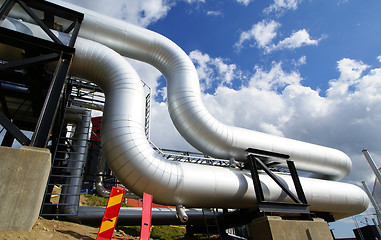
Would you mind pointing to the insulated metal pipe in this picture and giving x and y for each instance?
(186, 109)
(99, 187)
(142, 169)
(77, 161)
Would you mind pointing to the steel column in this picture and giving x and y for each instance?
(296, 180)
(279, 182)
(6, 8)
(300, 206)
(29, 61)
(255, 176)
(13, 130)
(48, 112)
(39, 22)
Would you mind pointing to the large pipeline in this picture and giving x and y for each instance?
(141, 169)
(185, 106)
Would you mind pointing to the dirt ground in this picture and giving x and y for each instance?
(58, 230)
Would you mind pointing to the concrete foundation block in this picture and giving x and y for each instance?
(276, 228)
(23, 174)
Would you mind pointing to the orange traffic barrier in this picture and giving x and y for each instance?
(111, 214)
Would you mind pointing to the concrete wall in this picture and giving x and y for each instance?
(23, 176)
(275, 228)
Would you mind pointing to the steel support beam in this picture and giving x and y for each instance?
(48, 112)
(278, 181)
(300, 204)
(255, 176)
(75, 33)
(6, 8)
(24, 41)
(30, 61)
(39, 22)
(296, 180)
(8, 140)
(48, 50)
(13, 130)
(372, 164)
(3, 102)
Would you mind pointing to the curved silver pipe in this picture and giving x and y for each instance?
(141, 169)
(101, 190)
(186, 109)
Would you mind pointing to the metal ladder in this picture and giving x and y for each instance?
(148, 91)
(148, 114)
(211, 222)
(67, 169)
(70, 152)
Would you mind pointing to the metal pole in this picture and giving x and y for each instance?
(377, 227)
(375, 205)
(297, 184)
(372, 164)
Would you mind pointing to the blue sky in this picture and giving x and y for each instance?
(303, 69)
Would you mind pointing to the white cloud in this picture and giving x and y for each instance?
(379, 58)
(342, 2)
(298, 39)
(195, 1)
(244, 2)
(262, 32)
(213, 70)
(214, 13)
(275, 79)
(301, 61)
(350, 73)
(275, 101)
(147, 73)
(137, 12)
(280, 6)
(163, 132)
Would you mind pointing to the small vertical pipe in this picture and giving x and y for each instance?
(374, 203)
(377, 227)
(372, 164)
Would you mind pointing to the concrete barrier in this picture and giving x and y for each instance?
(276, 228)
(23, 174)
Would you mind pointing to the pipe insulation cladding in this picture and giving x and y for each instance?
(141, 169)
(185, 106)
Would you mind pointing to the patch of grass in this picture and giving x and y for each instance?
(157, 232)
(168, 232)
(96, 201)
